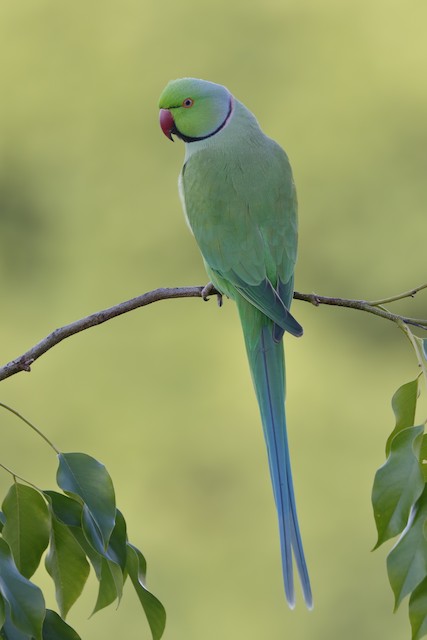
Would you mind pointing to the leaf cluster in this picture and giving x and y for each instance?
(79, 527)
(399, 499)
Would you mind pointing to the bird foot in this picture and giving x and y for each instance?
(209, 290)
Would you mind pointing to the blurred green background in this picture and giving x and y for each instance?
(90, 216)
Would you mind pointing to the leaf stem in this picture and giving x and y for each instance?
(33, 427)
(413, 340)
(18, 477)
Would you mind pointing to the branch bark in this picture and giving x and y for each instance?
(24, 361)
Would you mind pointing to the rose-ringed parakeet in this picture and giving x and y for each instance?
(239, 200)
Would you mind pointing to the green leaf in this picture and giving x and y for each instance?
(83, 476)
(2, 612)
(109, 564)
(423, 457)
(93, 556)
(404, 404)
(154, 610)
(110, 584)
(10, 632)
(68, 511)
(25, 601)
(418, 611)
(398, 484)
(92, 531)
(27, 526)
(54, 628)
(407, 561)
(67, 565)
(117, 550)
(2, 521)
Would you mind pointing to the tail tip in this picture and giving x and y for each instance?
(308, 602)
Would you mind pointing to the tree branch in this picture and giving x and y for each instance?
(24, 362)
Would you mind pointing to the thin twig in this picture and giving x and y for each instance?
(406, 294)
(17, 477)
(30, 424)
(24, 362)
(360, 305)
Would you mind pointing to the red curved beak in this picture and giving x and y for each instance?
(166, 122)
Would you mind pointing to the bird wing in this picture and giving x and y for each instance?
(241, 206)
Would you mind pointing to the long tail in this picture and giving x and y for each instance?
(266, 359)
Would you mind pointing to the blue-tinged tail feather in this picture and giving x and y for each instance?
(268, 373)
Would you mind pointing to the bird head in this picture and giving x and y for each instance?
(194, 109)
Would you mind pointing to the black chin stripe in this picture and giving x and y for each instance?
(182, 136)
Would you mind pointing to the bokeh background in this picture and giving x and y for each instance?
(90, 216)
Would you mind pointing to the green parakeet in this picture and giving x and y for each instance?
(239, 200)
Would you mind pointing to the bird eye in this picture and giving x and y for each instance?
(187, 103)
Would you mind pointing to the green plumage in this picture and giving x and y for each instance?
(240, 202)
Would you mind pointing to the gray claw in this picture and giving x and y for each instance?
(209, 290)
